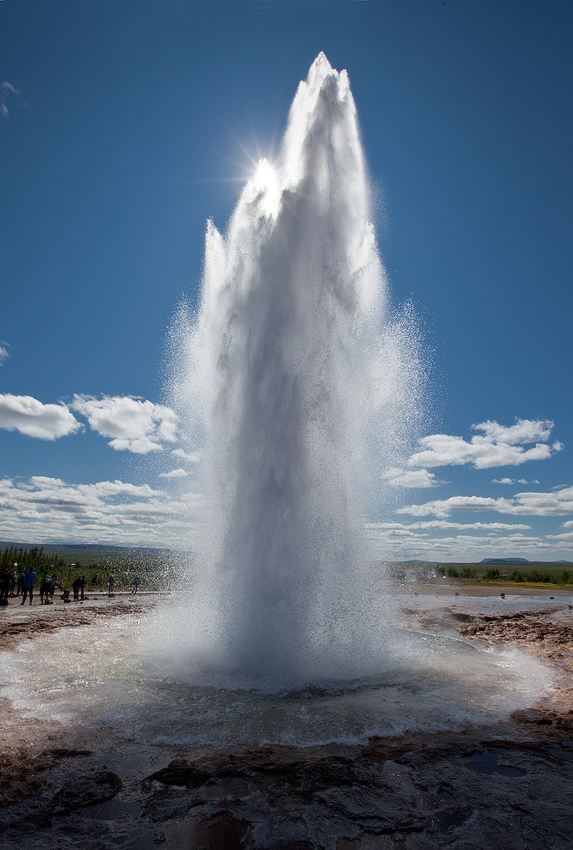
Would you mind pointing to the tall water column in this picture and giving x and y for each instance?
(282, 374)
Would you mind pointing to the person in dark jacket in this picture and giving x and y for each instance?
(29, 582)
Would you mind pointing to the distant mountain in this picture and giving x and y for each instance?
(519, 561)
(505, 561)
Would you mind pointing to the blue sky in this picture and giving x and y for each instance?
(125, 125)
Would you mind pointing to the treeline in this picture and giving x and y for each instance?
(464, 572)
(154, 573)
(533, 576)
(35, 558)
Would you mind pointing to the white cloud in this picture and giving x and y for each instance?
(414, 478)
(499, 446)
(558, 503)
(190, 457)
(7, 90)
(104, 489)
(440, 524)
(175, 473)
(513, 481)
(565, 537)
(419, 540)
(524, 431)
(3, 353)
(29, 416)
(43, 481)
(42, 508)
(443, 507)
(134, 424)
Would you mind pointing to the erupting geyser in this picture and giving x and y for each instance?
(295, 384)
(285, 367)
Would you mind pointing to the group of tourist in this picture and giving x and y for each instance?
(14, 584)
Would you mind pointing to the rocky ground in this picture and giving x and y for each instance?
(505, 787)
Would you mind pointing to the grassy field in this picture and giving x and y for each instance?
(538, 574)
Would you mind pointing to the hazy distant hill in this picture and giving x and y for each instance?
(85, 549)
(505, 561)
(519, 561)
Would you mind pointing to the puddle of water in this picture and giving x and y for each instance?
(486, 764)
(560, 754)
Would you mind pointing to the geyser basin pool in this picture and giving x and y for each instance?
(98, 675)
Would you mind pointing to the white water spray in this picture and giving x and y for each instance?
(285, 368)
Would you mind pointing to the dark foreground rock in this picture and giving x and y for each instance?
(455, 795)
(85, 791)
(438, 792)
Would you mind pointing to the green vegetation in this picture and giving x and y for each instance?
(155, 572)
(465, 572)
(534, 573)
(532, 576)
(26, 558)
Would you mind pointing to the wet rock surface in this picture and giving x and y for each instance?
(549, 633)
(496, 793)
(27, 622)
(509, 786)
(454, 794)
(82, 791)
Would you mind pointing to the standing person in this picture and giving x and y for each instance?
(20, 585)
(135, 584)
(110, 585)
(76, 584)
(5, 577)
(29, 582)
(45, 588)
(13, 580)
